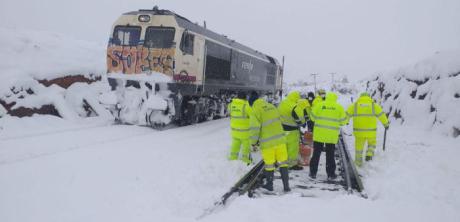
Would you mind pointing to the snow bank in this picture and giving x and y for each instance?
(426, 94)
(31, 54)
(29, 57)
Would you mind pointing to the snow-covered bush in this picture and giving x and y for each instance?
(426, 94)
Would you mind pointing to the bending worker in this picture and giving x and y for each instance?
(291, 124)
(266, 130)
(328, 116)
(240, 110)
(365, 114)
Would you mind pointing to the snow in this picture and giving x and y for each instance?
(423, 93)
(32, 54)
(64, 171)
(79, 168)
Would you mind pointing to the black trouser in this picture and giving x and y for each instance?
(330, 161)
(310, 125)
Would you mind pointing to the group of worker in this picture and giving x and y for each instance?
(277, 130)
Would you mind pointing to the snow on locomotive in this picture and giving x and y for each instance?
(164, 68)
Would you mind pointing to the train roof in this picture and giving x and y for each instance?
(187, 24)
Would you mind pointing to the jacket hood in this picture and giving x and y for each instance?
(294, 96)
(365, 98)
(236, 100)
(331, 97)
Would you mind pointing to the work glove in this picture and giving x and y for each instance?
(387, 126)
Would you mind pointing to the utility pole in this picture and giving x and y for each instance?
(332, 83)
(314, 77)
(282, 79)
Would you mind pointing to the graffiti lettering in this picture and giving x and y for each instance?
(184, 77)
(139, 59)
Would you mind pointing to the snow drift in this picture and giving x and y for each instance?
(426, 94)
(37, 68)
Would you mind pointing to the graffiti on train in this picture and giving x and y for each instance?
(139, 59)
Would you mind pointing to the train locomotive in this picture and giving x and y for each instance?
(164, 68)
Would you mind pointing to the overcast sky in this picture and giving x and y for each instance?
(353, 37)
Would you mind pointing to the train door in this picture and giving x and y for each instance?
(191, 68)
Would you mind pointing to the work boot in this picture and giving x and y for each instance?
(285, 177)
(296, 167)
(368, 158)
(269, 180)
(332, 177)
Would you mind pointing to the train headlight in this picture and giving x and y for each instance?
(144, 18)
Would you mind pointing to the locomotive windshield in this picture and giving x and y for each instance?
(159, 37)
(126, 35)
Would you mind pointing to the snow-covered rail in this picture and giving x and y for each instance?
(348, 181)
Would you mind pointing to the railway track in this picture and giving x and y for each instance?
(347, 182)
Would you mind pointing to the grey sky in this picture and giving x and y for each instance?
(356, 37)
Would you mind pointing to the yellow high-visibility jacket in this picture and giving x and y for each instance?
(266, 125)
(365, 114)
(302, 110)
(318, 99)
(286, 108)
(240, 111)
(328, 117)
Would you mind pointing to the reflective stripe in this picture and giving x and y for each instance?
(330, 119)
(327, 127)
(365, 115)
(380, 114)
(368, 115)
(269, 166)
(270, 121)
(287, 120)
(254, 137)
(254, 128)
(243, 114)
(313, 115)
(348, 114)
(239, 117)
(240, 130)
(371, 146)
(363, 130)
(283, 163)
(288, 124)
(272, 138)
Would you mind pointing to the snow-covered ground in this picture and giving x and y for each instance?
(87, 169)
(55, 170)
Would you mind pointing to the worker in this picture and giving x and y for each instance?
(310, 98)
(240, 110)
(328, 116)
(291, 124)
(365, 113)
(266, 130)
